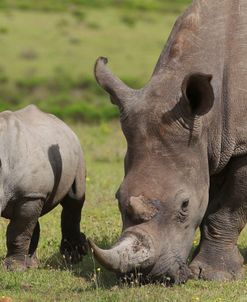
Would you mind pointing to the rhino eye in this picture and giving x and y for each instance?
(185, 204)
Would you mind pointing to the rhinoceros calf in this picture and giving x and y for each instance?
(186, 162)
(41, 165)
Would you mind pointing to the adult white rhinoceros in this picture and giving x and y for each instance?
(186, 162)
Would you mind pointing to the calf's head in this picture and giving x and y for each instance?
(164, 194)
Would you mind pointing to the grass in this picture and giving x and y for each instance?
(104, 147)
(48, 58)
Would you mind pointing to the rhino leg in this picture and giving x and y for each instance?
(32, 260)
(218, 257)
(73, 244)
(22, 234)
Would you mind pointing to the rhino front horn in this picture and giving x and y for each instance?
(109, 259)
(120, 93)
(126, 255)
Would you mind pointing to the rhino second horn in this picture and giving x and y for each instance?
(141, 209)
(126, 255)
(120, 92)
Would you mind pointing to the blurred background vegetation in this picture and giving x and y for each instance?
(48, 49)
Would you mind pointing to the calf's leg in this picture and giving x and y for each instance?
(22, 234)
(32, 260)
(73, 245)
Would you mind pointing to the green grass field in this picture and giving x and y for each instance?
(48, 49)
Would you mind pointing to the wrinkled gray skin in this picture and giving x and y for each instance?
(41, 166)
(186, 162)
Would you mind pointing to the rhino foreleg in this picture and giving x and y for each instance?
(23, 235)
(218, 257)
(73, 244)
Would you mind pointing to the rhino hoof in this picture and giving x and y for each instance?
(203, 271)
(74, 250)
(32, 262)
(12, 264)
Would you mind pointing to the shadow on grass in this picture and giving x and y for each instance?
(88, 269)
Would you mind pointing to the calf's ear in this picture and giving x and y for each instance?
(198, 94)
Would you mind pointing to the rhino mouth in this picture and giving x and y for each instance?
(171, 277)
(170, 269)
(165, 278)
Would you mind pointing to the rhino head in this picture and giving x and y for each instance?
(164, 194)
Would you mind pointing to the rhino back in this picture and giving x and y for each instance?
(39, 155)
(211, 37)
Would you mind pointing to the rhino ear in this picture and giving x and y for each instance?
(198, 93)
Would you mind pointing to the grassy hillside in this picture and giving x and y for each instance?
(48, 58)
